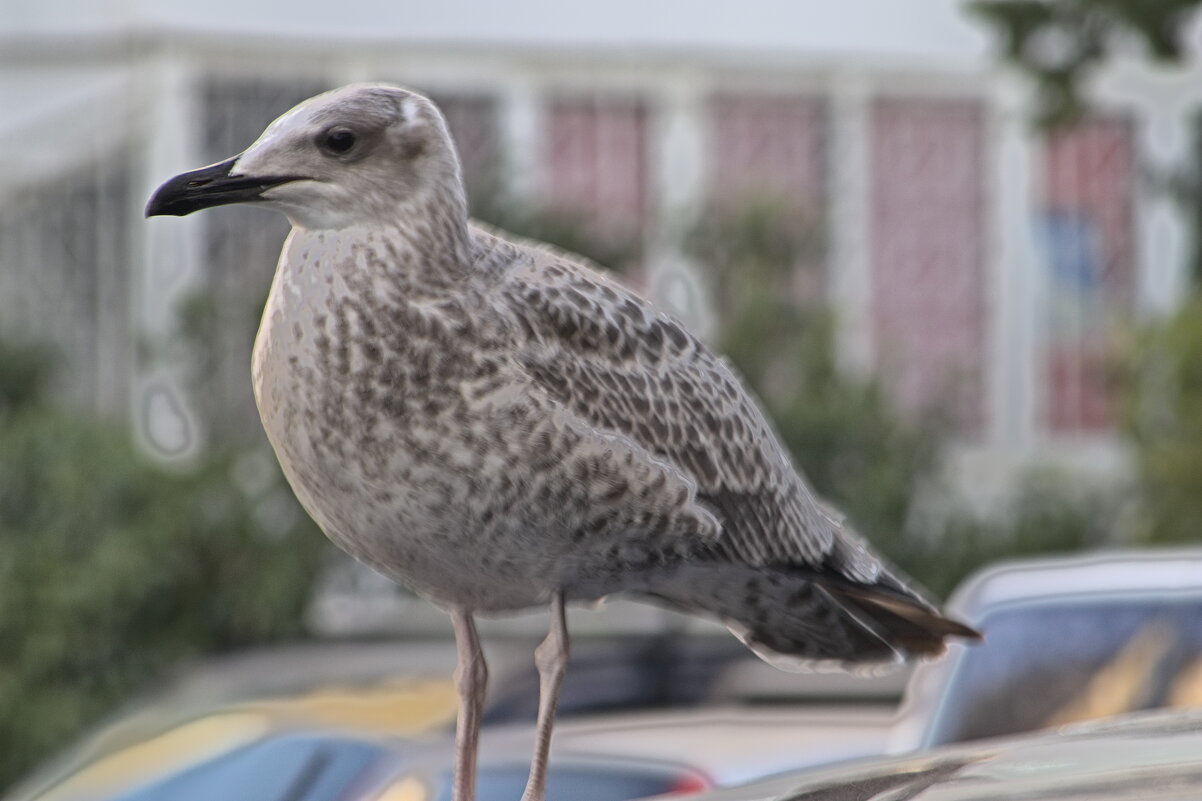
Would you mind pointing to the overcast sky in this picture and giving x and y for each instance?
(935, 29)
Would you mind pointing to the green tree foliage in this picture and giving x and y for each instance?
(1060, 43)
(24, 374)
(1161, 373)
(1051, 512)
(114, 569)
(559, 227)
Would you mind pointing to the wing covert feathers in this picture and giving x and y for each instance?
(784, 573)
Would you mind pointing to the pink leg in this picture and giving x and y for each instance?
(552, 660)
(471, 679)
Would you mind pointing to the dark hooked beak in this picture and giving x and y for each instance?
(210, 186)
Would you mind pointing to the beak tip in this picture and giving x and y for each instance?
(207, 187)
(165, 201)
(190, 191)
(158, 207)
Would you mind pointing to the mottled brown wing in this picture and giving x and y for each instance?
(607, 355)
(784, 575)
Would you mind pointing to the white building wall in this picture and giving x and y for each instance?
(850, 267)
(1166, 103)
(676, 81)
(169, 266)
(678, 192)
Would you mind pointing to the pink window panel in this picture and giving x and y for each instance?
(1078, 397)
(1088, 231)
(598, 163)
(765, 147)
(771, 149)
(927, 232)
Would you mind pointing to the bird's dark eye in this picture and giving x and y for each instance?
(337, 141)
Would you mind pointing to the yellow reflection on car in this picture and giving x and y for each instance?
(1187, 686)
(1122, 684)
(404, 707)
(192, 742)
(406, 789)
(401, 708)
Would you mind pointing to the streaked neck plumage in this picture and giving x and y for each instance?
(420, 247)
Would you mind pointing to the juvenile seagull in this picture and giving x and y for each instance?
(498, 427)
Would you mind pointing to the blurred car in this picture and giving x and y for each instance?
(329, 766)
(337, 721)
(622, 756)
(596, 758)
(1150, 756)
(1066, 640)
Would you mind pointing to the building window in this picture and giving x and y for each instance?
(928, 254)
(65, 279)
(1088, 244)
(598, 164)
(241, 248)
(765, 147)
(768, 153)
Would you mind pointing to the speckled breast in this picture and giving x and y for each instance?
(364, 396)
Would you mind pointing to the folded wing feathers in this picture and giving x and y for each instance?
(619, 365)
(612, 360)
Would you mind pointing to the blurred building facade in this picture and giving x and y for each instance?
(971, 261)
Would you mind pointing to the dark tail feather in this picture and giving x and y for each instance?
(800, 619)
(903, 619)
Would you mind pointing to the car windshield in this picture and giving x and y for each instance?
(1050, 663)
(298, 767)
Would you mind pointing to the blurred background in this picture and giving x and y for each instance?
(953, 245)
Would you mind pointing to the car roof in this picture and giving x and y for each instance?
(1116, 571)
(1154, 756)
(726, 744)
(1119, 576)
(358, 687)
(710, 745)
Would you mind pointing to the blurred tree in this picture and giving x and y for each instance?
(757, 248)
(24, 374)
(1060, 43)
(560, 228)
(1161, 374)
(1051, 512)
(113, 569)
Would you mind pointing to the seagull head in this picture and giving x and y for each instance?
(359, 154)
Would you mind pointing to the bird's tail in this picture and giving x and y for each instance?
(799, 619)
